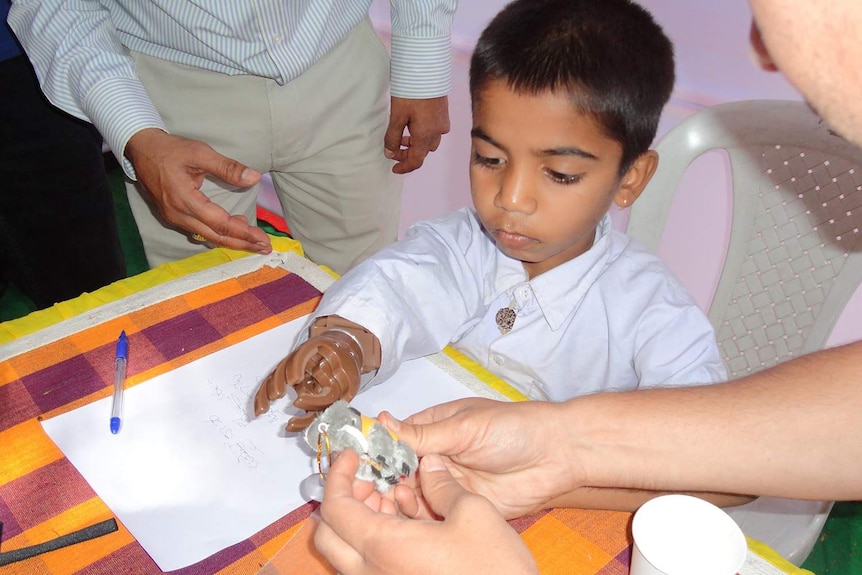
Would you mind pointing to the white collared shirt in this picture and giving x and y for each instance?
(614, 318)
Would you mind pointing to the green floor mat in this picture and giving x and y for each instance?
(130, 240)
(837, 551)
(14, 304)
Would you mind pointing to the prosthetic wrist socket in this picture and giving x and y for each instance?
(367, 343)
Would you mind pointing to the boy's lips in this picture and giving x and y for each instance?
(512, 239)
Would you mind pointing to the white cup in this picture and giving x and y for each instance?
(684, 535)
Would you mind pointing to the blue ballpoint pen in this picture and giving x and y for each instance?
(119, 382)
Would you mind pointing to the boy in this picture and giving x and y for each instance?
(532, 282)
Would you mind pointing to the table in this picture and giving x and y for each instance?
(58, 359)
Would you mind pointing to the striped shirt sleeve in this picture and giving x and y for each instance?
(421, 47)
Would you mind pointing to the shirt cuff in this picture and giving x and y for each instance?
(120, 108)
(421, 67)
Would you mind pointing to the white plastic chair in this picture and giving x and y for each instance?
(793, 260)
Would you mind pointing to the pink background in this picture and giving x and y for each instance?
(713, 66)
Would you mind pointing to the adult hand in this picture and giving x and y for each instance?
(172, 169)
(426, 120)
(513, 454)
(359, 533)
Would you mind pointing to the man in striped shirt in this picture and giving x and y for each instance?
(197, 99)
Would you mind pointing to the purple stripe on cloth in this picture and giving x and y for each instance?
(521, 524)
(16, 406)
(619, 565)
(63, 382)
(235, 313)
(280, 526)
(625, 556)
(285, 293)
(181, 335)
(10, 524)
(45, 493)
(129, 559)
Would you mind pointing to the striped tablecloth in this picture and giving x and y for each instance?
(59, 359)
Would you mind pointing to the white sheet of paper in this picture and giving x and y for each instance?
(190, 473)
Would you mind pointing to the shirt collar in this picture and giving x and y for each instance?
(560, 291)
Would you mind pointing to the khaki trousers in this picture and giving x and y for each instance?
(319, 136)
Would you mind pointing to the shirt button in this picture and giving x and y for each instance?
(498, 359)
(277, 39)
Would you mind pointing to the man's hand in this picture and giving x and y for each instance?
(172, 170)
(513, 454)
(425, 120)
(359, 533)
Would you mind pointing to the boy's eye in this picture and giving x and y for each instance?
(486, 161)
(564, 179)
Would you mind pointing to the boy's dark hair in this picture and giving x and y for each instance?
(610, 56)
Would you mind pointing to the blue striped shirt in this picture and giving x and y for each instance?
(79, 47)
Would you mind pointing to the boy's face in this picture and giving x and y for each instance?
(542, 175)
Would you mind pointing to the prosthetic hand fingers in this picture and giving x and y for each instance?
(289, 372)
(322, 370)
(300, 422)
(271, 388)
(335, 373)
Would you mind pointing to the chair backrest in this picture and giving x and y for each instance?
(794, 256)
(793, 260)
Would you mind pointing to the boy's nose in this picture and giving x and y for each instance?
(515, 193)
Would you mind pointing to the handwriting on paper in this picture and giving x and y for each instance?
(234, 397)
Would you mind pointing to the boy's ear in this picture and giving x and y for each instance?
(636, 179)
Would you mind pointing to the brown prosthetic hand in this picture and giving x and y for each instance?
(323, 369)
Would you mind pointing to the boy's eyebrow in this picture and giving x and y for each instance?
(569, 151)
(480, 133)
(564, 151)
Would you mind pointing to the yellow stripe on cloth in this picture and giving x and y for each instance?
(771, 556)
(37, 320)
(23, 449)
(485, 376)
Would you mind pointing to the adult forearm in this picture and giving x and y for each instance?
(791, 431)
(630, 499)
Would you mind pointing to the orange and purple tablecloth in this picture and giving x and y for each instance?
(56, 360)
